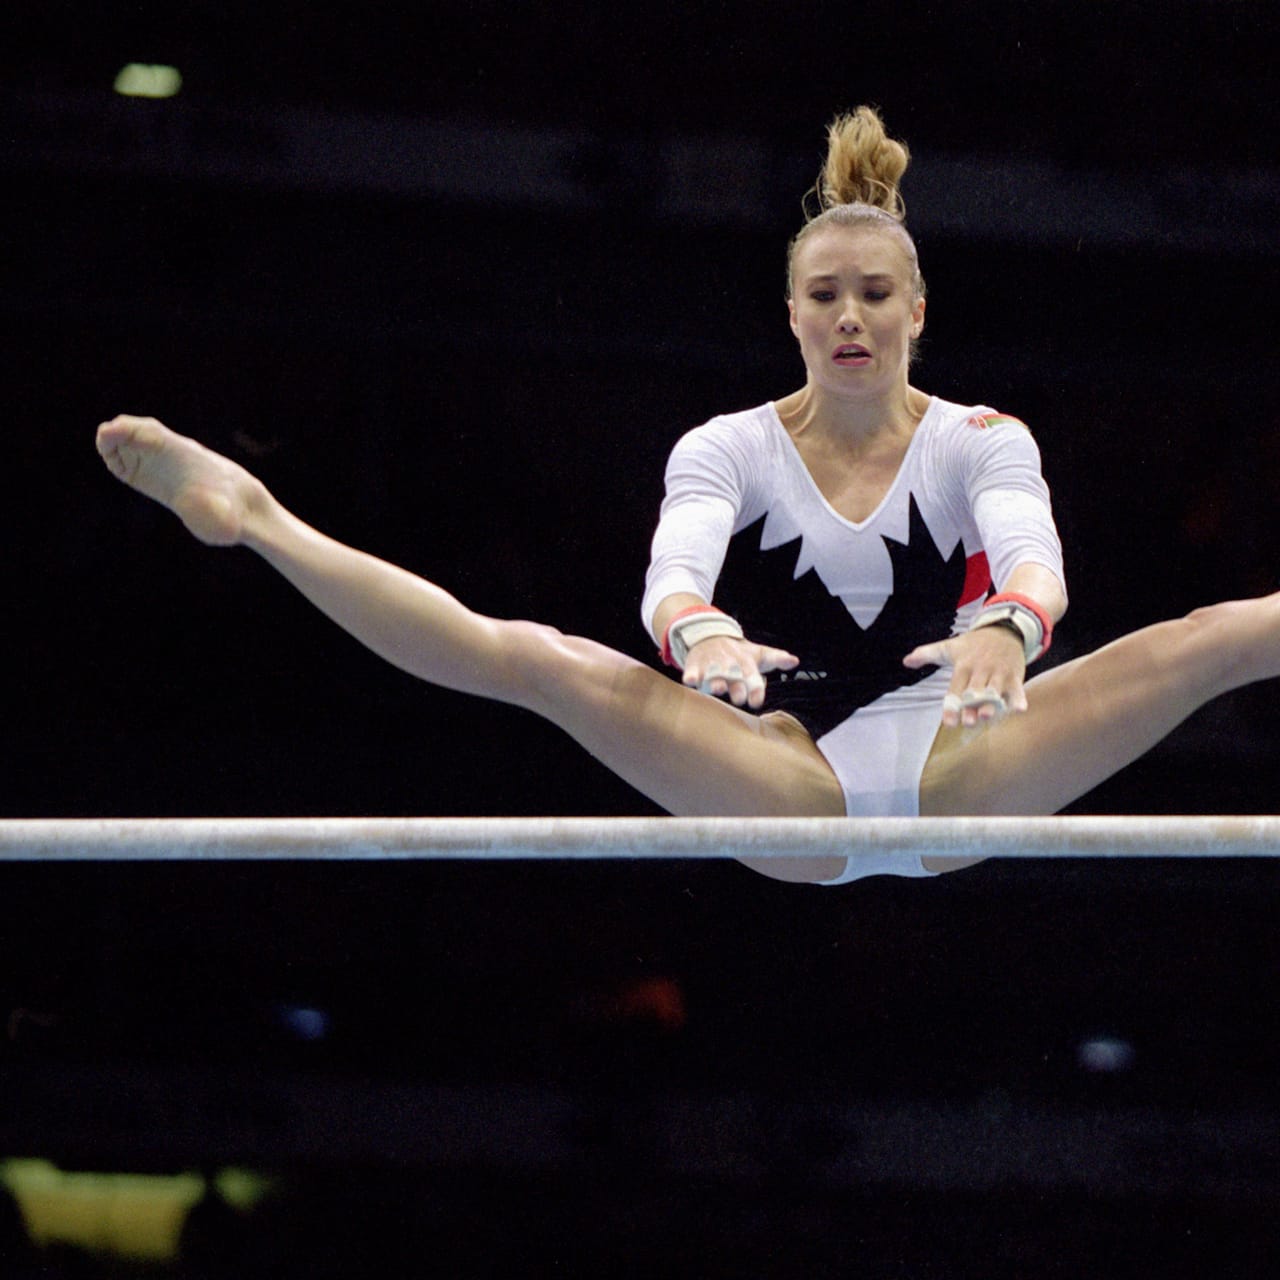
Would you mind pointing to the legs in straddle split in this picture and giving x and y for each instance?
(692, 754)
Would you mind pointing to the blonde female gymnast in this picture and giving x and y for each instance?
(852, 580)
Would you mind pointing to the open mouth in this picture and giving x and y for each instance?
(851, 354)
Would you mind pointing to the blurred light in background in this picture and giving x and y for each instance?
(148, 80)
(303, 1022)
(1105, 1055)
(127, 1215)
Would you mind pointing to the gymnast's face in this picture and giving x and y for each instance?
(853, 310)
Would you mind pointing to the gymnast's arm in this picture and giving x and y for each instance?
(708, 484)
(998, 471)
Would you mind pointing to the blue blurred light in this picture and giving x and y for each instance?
(304, 1023)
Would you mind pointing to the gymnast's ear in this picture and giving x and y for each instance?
(791, 315)
(917, 318)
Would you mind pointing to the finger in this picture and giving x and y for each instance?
(967, 709)
(1014, 690)
(974, 708)
(776, 659)
(695, 676)
(977, 703)
(741, 688)
(937, 654)
(986, 703)
(748, 690)
(720, 680)
(953, 705)
(736, 683)
(701, 668)
(713, 681)
(739, 685)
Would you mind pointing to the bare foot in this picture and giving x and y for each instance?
(210, 494)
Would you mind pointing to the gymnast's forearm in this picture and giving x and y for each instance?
(404, 619)
(1042, 585)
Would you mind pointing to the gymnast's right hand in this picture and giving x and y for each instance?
(724, 666)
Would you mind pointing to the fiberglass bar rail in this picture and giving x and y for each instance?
(553, 839)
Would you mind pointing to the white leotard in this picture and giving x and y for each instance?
(744, 523)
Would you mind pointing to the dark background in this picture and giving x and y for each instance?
(452, 279)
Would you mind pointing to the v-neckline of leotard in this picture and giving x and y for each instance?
(798, 460)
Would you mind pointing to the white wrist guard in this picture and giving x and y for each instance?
(1026, 622)
(685, 632)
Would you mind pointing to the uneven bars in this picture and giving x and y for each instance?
(554, 839)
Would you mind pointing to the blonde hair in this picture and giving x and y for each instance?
(858, 186)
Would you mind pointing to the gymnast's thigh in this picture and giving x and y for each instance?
(694, 755)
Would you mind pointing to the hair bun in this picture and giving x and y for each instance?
(864, 165)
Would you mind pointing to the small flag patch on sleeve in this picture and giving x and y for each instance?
(984, 420)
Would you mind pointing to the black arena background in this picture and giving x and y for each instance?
(453, 281)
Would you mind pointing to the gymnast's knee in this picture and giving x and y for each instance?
(543, 666)
(1217, 629)
(1223, 639)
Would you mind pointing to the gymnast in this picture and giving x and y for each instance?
(883, 564)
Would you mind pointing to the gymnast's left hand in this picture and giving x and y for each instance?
(988, 667)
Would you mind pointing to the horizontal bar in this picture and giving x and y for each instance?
(549, 839)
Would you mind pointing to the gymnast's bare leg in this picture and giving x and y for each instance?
(1090, 717)
(691, 754)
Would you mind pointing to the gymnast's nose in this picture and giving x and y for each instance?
(850, 316)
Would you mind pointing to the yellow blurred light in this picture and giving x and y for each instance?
(242, 1189)
(130, 1215)
(148, 80)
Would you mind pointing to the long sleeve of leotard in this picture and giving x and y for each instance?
(1002, 485)
(710, 488)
